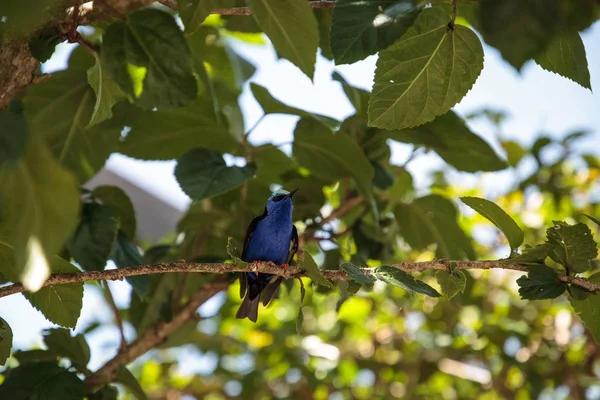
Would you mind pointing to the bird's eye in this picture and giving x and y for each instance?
(279, 197)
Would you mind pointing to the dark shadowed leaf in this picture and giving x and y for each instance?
(425, 73)
(324, 16)
(451, 283)
(6, 339)
(540, 283)
(532, 255)
(114, 198)
(13, 138)
(126, 378)
(498, 217)
(42, 380)
(519, 29)
(396, 277)
(106, 393)
(60, 343)
(93, 240)
(194, 12)
(357, 275)
(271, 163)
(588, 309)
(447, 133)
(573, 246)
(432, 219)
(126, 254)
(202, 173)
(312, 269)
(363, 27)
(149, 58)
(43, 44)
(28, 356)
(565, 55)
(292, 28)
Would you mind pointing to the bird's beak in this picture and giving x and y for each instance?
(291, 194)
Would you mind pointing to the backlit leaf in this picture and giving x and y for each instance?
(396, 277)
(565, 55)
(107, 93)
(451, 283)
(573, 246)
(588, 309)
(307, 263)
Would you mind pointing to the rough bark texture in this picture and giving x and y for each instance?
(16, 70)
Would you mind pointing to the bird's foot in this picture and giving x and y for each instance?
(254, 265)
(285, 267)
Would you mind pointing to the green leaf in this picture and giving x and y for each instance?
(60, 109)
(519, 29)
(13, 138)
(271, 105)
(565, 55)
(333, 156)
(593, 219)
(271, 163)
(114, 198)
(234, 253)
(425, 73)
(20, 18)
(167, 135)
(61, 344)
(361, 28)
(433, 219)
(60, 304)
(308, 264)
(514, 152)
(532, 255)
(357, 275)
(396, 277)
(573, 246)
(28, 356)
(41, 204)
(107, 93)
(42, 45)
(447, 133)
(126, 254)
(498, 217)
(540, 283)
(126, 378)
(194, 12)
(149, 58)
(92, 241)
(105, 393)
(324, 17)
(292, 28)
(588, 309)
(6, 339)
(451, 283)
(42, 380)
(202, 173)
(146, 312)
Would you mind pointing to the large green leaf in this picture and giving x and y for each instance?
(432, 219)
(312, 270)
(588, 309)
(324, 17)
(451, 283)
(271, 163)
(149, 58)
(42, 380)
(118, 201)
(60, 343)
(399, 278)
(498, 217)
(13, 138)
(540, 283)
(167, 135)
(194, 12)
(60, 110)
(520, 29)
(126, 378)
(271, 105)
(202, 173)
(363, 27)
(425, 73)
(292, 28)
(332, 156)
(565, 55)
(107, 93)
(573, 246)
(145, 313)
(92, 241)
(6, 339)
(445, 135)
(41, 204)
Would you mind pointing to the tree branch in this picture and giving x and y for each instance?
(153, 336)
(117, 314)
(270, 268)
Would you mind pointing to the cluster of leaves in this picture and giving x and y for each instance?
(155, 92)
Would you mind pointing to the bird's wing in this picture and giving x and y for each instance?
(293, 245)
(250, 232)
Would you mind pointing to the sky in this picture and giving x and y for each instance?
(536, 100)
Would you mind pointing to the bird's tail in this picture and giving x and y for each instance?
(248, 308)
(253, 290)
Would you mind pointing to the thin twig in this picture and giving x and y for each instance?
(117, 314)
(153, 336)
(270, 268)
(343, 209)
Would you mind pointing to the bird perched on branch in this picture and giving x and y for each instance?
(273, 237)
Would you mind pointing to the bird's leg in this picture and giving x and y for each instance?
(254, 265)
(285, 267)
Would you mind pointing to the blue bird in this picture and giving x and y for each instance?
(273, 237)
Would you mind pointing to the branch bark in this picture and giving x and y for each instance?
(270, 268)
(154, 336)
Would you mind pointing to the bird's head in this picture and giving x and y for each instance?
(281, 201)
